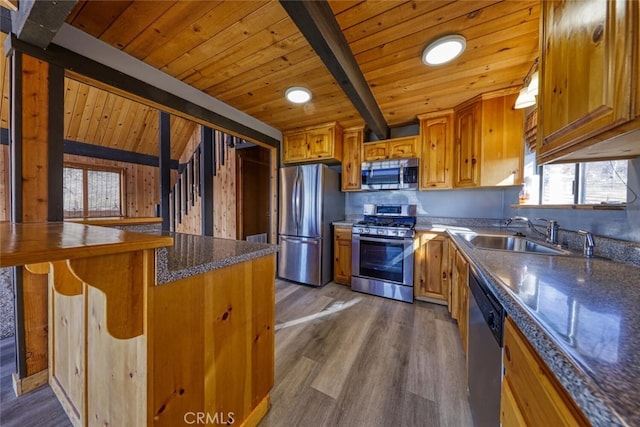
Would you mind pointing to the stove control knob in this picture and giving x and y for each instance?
(366, 230)
(380, 232)
(393, 232)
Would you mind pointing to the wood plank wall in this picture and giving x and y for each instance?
(4, 82)
(5, 193)
(224, 194)
(191, 222)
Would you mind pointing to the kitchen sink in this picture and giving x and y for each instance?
(510, 243)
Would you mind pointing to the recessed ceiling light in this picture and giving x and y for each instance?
(298, 94)
(444, 49)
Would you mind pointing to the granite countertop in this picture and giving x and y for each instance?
(581, 315)
(192, 254)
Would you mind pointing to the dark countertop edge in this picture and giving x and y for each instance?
(586, 394)
(165, 277)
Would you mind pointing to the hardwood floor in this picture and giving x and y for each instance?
(39, 408)
(342, 359)
(375, 363)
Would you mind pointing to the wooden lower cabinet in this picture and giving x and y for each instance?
(531, 395)
(430, 271)
(458, 295)
(462, 288)
(342, 255)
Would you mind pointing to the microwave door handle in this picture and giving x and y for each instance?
(401, 175)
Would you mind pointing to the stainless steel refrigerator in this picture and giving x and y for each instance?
(310, 200)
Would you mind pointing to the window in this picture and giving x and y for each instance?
(585, 183)
(92, 191)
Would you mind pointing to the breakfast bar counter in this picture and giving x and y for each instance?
(152, 328)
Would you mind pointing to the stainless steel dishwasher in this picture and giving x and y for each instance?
(486, 320)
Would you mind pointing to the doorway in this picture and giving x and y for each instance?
(253, 189)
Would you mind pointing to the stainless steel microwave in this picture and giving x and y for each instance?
(396, 174)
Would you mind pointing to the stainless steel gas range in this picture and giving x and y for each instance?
(382, 252)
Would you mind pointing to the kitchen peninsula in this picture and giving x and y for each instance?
(147, 329)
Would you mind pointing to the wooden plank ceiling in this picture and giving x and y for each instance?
(247, 53)
(97, 117)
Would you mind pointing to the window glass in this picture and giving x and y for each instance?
(72, 192)
(558, 183)
(594, 182)
(91, 193)
(604, 182)
(103, 191)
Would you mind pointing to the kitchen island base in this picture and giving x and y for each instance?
(205, 348)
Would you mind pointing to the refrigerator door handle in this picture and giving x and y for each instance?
(295, 201)
(298, 197)
(300, 240)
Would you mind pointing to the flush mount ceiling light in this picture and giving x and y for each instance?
(444, 49)
(298, 94)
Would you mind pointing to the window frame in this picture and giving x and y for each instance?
(85, 168)
(579, 188)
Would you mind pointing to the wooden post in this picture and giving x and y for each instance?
(37, 99)
(165, 168)
(206, 180)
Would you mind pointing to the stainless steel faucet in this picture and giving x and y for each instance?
(589, 243)
(552, 231)
(525, 220)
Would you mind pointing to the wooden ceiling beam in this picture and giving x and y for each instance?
(37, 22)
(317, 23)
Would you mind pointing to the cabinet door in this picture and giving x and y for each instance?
(435, 167)
(510, 415)
(342, 256)
(430, 268)
(295, 147)
(462, 285)
(451, 266)
(352, 160)
(403, 148)
(502, 144)
(586, 71)
(466, 147)
(376, 151)
(320, 143)
(541, 399)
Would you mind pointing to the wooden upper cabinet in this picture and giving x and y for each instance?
(295, 147)
(588, 68)
(489, 142)
(403, 148)
(397, 148)
(314, 144)
(467, 146)
(436, 130)
(352, 158)
(502, 147)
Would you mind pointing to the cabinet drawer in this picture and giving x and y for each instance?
(342, 233)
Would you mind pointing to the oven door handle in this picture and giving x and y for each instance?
(377, 239)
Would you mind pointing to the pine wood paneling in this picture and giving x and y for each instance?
(97, 117)
(247, 53)
(4, 83)
(224, 196)
(5, 192)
